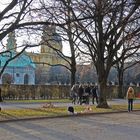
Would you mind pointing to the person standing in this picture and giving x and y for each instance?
(87, 93)
(94, 94)
(130, 96)
(80, 93)
(74, 94)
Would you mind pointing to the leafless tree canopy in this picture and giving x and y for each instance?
(107, 30)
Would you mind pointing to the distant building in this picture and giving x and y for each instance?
(48, 56)
(20, 70)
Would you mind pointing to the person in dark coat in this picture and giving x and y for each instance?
(87, 94)
(80, 93)
(94, 94)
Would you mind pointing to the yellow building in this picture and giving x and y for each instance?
(48, 55)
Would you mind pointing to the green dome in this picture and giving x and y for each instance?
(21, 61)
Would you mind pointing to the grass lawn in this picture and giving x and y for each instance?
(56, 111)
(40, 101)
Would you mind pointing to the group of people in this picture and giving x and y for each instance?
(83, 93)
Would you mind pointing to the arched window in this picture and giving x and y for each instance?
(17, 74)
(26, 79)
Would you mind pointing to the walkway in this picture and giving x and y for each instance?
(116, 126)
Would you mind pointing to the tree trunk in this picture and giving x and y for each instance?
(73, 77)
(102, 95)
(73, 70)
(102, 89)
(120, 82)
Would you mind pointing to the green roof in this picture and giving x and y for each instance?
(22, 60)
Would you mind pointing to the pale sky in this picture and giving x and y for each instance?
(24, 39)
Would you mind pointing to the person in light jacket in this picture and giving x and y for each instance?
(74, 94)
(130, 96)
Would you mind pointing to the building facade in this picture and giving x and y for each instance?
(51, 43)
(20, 70)
(50, 39)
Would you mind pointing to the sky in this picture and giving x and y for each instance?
(24, 39)
(21, 40)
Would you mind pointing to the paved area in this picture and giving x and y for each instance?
(117, 126)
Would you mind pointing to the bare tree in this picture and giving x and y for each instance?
(102, 30)
(22, 15)
(59, 14)
(99, 25)
(128, 59)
